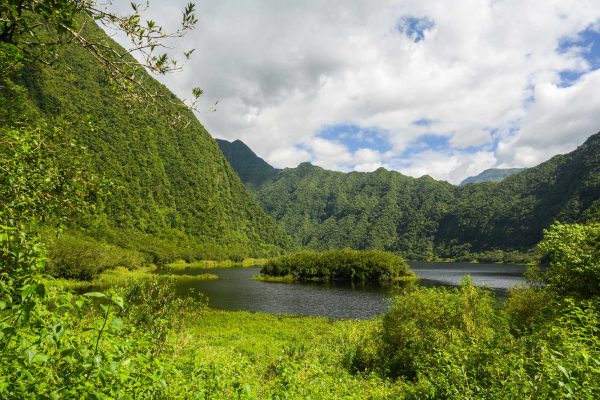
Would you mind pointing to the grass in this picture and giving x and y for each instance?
(180, 265)
(269, 278)
(121, 276)
(263, 356)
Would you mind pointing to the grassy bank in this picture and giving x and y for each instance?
(181, 265)
(262, 356)
(121, 276)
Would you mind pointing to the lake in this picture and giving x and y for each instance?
(235, 290)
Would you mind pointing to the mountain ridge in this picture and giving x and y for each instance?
(491, 175)
(423, 218)
(172, 188)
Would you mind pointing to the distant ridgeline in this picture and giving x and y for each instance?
(173, 193)
(492, 175)
(422, 218)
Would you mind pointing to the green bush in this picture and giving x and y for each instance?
(462, 343)
(75, 256)
(526, 307)
(423, 322)
(357, 266)
(54, 344)
(573, 252)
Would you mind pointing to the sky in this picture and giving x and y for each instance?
(442, 88)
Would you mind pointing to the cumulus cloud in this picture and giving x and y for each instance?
(484, 75)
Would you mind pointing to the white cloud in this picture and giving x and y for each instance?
(452, 167)
(281, 71)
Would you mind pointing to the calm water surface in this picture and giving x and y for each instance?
(235, 290)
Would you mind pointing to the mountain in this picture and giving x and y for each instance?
(491, 175)
(171, 187)
(251, 169)
(424, 218)
(514, 212)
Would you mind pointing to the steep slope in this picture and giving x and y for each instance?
(513, 213)
(491, 175)
(382, 210)
(251, 169)
(422, 218)
(170, 182)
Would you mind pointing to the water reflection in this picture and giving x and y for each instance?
(235, 290)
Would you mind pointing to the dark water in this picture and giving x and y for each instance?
(236, 291)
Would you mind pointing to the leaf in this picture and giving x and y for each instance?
(67, 352)
(564, 371)
(95, 294)
(118, 300)
(29, 353)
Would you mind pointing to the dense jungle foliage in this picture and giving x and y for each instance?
(140, 341)
(428, 219)
(346, 265)
(252, 170)
(172, 193)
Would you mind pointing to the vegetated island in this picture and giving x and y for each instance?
(346, 265)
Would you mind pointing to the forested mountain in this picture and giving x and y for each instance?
(170, 186)
(492, 175)
(252, 170)
(424, 218)
(512, 213)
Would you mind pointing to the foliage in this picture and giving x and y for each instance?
(172, 193)
(460, 343)
(573, 252)
(43, 176)
(423, 322)
(57, 345)
(427, 219)
(251, 169)
(39, 29)
(366, 266)
(74, 256)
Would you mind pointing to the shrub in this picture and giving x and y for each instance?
(357, 266)
(75, 256)
(528, 306)
(573, 252)
(424, 322)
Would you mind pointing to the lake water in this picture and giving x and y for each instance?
(235, 290)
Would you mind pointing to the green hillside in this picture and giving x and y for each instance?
(424, 218)
(491, 175)
(512, 214)
(171, 189)
(251, 169)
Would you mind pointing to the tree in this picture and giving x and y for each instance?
(39, 27)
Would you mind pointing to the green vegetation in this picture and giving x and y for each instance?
(182, 265)
(120, 277)
(251, 169)
(573, 252)
(460, 343)
(492, 175)
(367, 266)
(161, 187)
(67, 138)
(425, 219)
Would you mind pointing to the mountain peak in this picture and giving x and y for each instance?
(491, 175)
(251, 169)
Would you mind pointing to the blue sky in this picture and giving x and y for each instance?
(443, 87)
(587, 42)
